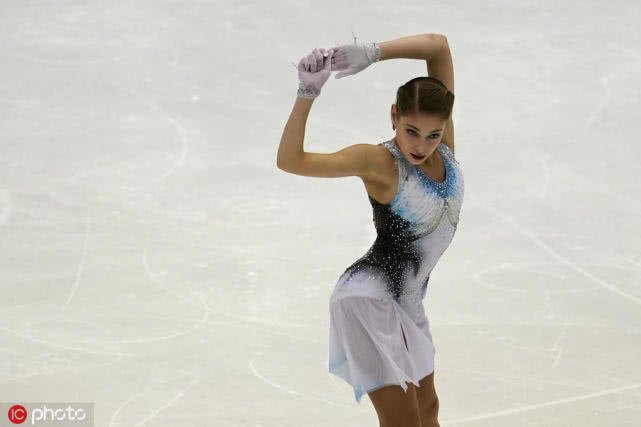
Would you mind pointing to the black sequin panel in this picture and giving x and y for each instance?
(392, 250)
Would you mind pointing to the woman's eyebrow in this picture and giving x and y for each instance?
(420, 130)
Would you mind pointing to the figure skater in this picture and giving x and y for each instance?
(379, 339)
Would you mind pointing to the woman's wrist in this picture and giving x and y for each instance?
(373, 50)
(307, 91)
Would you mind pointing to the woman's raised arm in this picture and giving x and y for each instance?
(435, 50)
(420, 46)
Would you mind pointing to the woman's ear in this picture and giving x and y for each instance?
(392, 114)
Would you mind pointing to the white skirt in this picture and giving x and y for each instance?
(366, 342)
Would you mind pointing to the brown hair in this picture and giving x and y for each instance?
(424, 94)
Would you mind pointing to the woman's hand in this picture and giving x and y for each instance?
(313, 72)
(354, 58)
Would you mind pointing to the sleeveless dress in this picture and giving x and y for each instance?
(379, 334)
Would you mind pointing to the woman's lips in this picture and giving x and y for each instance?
(417, 157)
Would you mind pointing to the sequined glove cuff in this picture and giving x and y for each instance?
(373, 51)
(307, 92)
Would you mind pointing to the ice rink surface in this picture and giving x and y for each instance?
(155, 261)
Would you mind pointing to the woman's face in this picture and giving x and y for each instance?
(418, 134)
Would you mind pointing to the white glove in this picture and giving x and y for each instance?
(313, 72)
(354, 58)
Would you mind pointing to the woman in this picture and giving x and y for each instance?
(379, 339)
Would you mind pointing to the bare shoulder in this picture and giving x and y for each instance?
(382, 166)
(383, 179)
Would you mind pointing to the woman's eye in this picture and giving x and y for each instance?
(434, 136)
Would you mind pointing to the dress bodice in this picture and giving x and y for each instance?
(413, 230)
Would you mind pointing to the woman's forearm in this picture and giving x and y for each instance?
(420, 46)
(291, 142)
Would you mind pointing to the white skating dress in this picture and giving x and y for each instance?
(379, 334)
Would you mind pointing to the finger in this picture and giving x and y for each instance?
(339, 65)
(319, 58)
(328, 63)
(316, 60)
(323, 54)
(327, 55)
(338, 53)
(337, 59)
(311, 63)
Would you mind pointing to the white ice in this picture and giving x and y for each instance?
(155, 261)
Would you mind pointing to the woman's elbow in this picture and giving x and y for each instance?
(285, 165)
